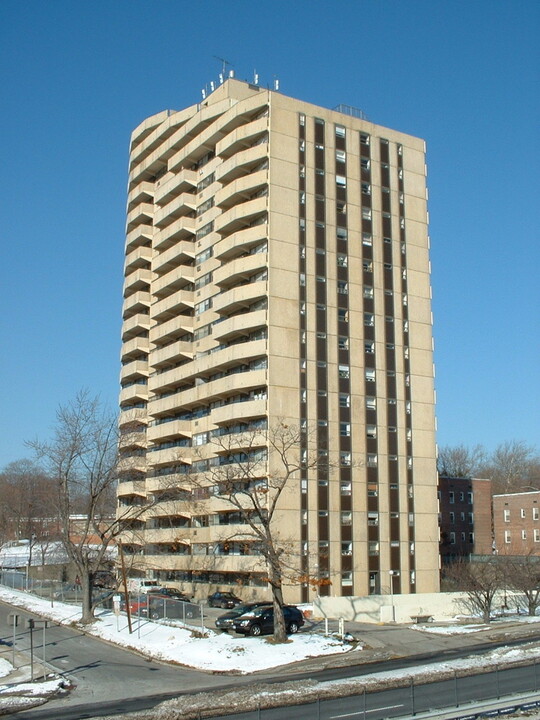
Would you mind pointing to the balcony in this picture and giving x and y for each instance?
(241, 138)
(134, 324)
(133, 416)
(241, 297)
(238, 382)
(137, 302)
(241, 269)
(174, 304)
(135, 347)
(135, 369)
(175, 327)
(131, 488)
(141, 235)
(167, 430)
(180, 229)
(239, 411)
(141, 257)
(241, 353)
(240, 325)
(140, 215)
(241, 190)
(178, 206)
(133, 393)
(162, 483)
(241, 163)
(167, 535)
(175, 279)
(240, 216)
(172, 185)
(182, 253)
(240, 242)
(171, 354)
(138, 280)
(141, 193)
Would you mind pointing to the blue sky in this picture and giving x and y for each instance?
(77, 77)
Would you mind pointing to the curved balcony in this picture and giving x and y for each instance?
(175, 327)
(168, 456)
(173, 305)
(175, 279)
(241, 297)
(178, 206)
(133, 393)
(180, 229)
(240, 325)
(137, 302)
(167, 430)
(138, 280)
(135, 438)
(239, 411)
(240, 242)
(162, 405)
(241, 189)
(133, 348)
(238, 354)
(141, 235)
(141, 193)
(167, 535)
(240, 216)
(141, 257)
(132, 487)
(135, 369)
(134, 324)
(141, 214)
(241, 138)
(241, 163)
(239, 270)
(172, 185)
(171, 354)
(133, 416)
(239, 382)
(167, 380)
(180, 254)
(162, 483)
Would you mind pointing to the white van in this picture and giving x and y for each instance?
(140, 586)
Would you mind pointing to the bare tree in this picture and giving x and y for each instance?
(26, 507)
(513, 466)
(480, 581)
(522, 574)
(460, 460)
(256, 470)
(83, 460)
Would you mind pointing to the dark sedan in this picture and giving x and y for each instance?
(225, 621)
(261, 621)
(223, 600)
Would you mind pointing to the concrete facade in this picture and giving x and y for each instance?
(277, 271)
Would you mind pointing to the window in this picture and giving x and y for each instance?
(341, 181)
(346, 518)
(366, 189)
(369, 347)
(341, 233)
(371, 431)
(452, 538)
(343, 315)
(367, 266)
(451, 498)
(367, 239)
(452, 518)
(344, 400)
(302, 119)
(202, 306)
(366, 213)
(369, 319)
(370, 375)
(341, 155)
(346, 548)
(205, 230)
(364, 139)
(507, 536)
(523, 534)
(535, 513)
(342, 260)
(345, 429)
(371, 403)
(342, 287)
(372, 460)
(341, 206)
(364, 163)
(302, 198)
(345, 459)
(536, 535)
(373, 548)
(340, 131)
(522, 513)
(345, 486)
(506, 514)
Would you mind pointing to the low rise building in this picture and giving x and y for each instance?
(516, 523)
(465, 517)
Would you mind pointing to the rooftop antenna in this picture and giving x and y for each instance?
(255, 77)
(224, 64)
(276, 83)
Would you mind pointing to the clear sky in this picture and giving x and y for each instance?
(76, 78)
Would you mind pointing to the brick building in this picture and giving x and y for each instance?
(516, 523)
(465, 521)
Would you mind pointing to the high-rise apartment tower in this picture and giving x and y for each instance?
(277, 271)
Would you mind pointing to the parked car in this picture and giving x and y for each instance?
(137, 604)
(161, 606)
(169, 593)
(223, 600)
(260, 620)
(225, 622)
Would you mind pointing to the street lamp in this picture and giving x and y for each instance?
(393, 573)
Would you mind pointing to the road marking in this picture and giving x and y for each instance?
(361, 712)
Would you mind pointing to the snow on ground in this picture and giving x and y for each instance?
(5, 667)
(213, 652)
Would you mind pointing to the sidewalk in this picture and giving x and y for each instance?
(21, 667)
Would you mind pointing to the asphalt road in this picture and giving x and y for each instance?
(112, 680)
